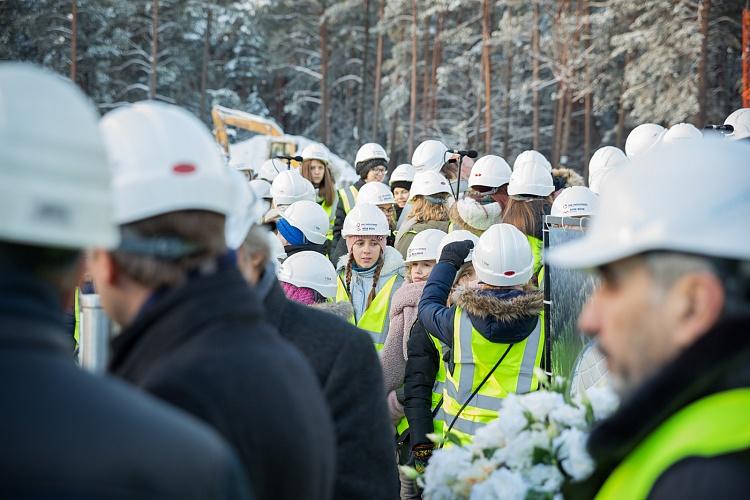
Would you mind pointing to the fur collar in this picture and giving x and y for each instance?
(393, 263)
(488, 303)
(569, 176)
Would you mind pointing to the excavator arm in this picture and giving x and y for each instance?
(223, 117)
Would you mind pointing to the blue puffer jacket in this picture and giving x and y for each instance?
(501, 315)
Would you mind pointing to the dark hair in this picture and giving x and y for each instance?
(56, 266)
(326, 188)
(203, 229)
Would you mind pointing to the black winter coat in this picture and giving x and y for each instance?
(206, 348)
(422, 366)
(718, 361)
(68, 434)
(347, 367)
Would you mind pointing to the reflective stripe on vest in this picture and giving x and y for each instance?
(714, 425)
(473, 358)
(537, 247)
(348, 197)
(331, 212)
(375, 318)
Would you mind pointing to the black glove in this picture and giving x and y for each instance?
(456, 252)
(421, 454)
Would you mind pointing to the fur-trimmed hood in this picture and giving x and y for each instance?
(501, 315)
(343, 310)
(392, 264)
(566, 177)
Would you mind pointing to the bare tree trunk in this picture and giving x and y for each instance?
(535, 76)
(703, 15)
(392, 145)
(413, 103)
(378, 74)
(154, 48)
(425, 73)
(73, 40)
(487, 70)
(204, 66)
(508, 86)
(436, 59)
(477, 115)
(363, 74)
(572, 79)
(587, 104)
(621, 116)
(324, 112)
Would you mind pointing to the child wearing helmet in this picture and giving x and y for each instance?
(430, 197)
(378, 194)
(308, 278)
(289, 186)
(493, 330)
(471, 215)
(370, 272)
(315, 168)
(400, 183)
(303, 227)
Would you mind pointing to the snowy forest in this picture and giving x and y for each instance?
(499, 76)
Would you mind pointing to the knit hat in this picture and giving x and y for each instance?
(352, 239)
(401, 184)
(364, 167)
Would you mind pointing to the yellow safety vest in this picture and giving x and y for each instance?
(331, 212)
(714, 425)
(375, 318)
(473, 358)
(537, 248)
(348, 197)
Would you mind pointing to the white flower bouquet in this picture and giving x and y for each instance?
(537, 443)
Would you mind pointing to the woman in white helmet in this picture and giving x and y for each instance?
(430, 200)
(370, 272)
(530, 188)
(316, 169)
(308, 278)
(493, 330)
(303, 227)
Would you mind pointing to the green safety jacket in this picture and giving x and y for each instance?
(473, 357)
(375, 318)
(714, 425)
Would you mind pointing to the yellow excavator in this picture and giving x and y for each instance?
(278, 143)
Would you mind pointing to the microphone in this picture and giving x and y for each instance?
(471, 153)
(289, 158)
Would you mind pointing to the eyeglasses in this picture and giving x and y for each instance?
(379, 170)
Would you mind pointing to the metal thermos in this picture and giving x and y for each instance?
(95, 331)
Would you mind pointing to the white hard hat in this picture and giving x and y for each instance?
(164, 161)
(375, 193)
(248, 210)
(681, 132)
(740, 122)
(430, 155)
(477, 215)
(402, 173)
(310, 270)
(425, 245)
(261, 188)
(271, 168)
(643, 216)
(458, 235)
(370, 151)
(316, 151)
(54, 177)
(365, 220)
(275, 248)
(428, 183)
(532, 156)
(289, 186)
(642, 138)
(503, 257)
(530, 177)
(575, 201)
(491, 171)
(603, 160)
(310, 218)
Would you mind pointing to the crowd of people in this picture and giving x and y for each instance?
(281, 336)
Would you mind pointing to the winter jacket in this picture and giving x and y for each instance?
(410, 229)
(402, 315)
(361, 282)
(206, 348)
(68, 434)
(718, 361)
(503, 316)
(339, 244)
(347, 368)
(419, 379)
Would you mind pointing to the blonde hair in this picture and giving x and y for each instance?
(423, 210)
